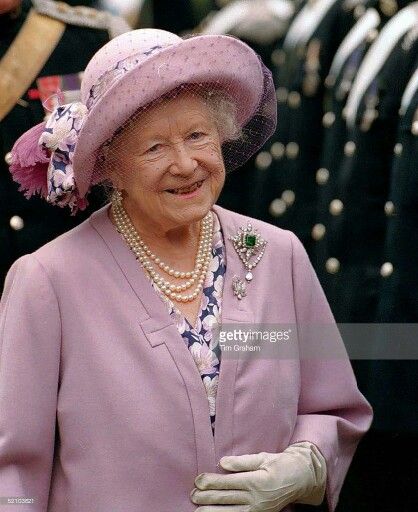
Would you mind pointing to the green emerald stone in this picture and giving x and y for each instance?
(250, 240)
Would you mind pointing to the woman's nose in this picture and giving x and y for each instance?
(183, 162)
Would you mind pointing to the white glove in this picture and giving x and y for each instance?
(264, 481)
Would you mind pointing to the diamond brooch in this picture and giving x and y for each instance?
(250, 247)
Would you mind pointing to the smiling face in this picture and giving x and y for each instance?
(169, 163)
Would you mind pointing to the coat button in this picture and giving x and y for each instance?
(371, 35)
(398, 149)
(318, 232)
(16, 222)
(263, 160)
(349, 148)
(277, 150)
(332, 265)
(278, 57)
(359, 11)
(389, 8)
(292, 150)
(329, 81)
(282, 94)
(293, 99)
(277, 207)
(386, 269)
(288, 197)
(322, 176)
(8, 158)
(389, 208)
(62, 7)
(328, 119)
(336, 207)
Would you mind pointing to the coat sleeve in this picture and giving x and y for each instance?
(332, 413)
(30, 338)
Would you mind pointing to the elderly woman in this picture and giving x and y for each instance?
(114, 391)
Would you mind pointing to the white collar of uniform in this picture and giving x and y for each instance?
(377, 55)
(305, 23)
(409, 92)
(355, 36)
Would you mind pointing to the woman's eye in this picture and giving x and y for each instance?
(153, 148)
(196, 135)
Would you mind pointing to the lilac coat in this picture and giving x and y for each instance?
(102, 408)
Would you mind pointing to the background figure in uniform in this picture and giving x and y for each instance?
(357, 228)
(338, 85)
(180, 16)
(391, 386)
(286, 188)
(26, 225)
(367, 279)
(262, 25)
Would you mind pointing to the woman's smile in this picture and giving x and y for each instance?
(189, 191)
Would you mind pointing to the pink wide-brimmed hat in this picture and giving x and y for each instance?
(57, 158)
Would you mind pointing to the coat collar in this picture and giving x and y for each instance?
(233, 310)
(158, 327)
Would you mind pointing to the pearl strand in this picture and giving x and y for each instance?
(142, 256)
(203, 258)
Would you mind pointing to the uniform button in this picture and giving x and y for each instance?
(293, 99)
(386, 269)
(292, 150)
(16, 222)
(389, 7)
(263, 160)
(62, 7)
(359, 11)
(389, 208)
(414, 129)
(8, 158)
(328, 119)
(288, 197)
(322, 176)
(278, 57)
(329, 81)
(277, 207)
(332, 265)
(282, 94)
(318, 232)
(371, 36)
(349, 148)
(277, 150)
(398, 149)
(336, 207)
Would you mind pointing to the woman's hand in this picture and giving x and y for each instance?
(264, 481)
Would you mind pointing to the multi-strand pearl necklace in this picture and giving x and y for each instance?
(146, 256)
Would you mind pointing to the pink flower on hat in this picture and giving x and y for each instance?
(60, 137)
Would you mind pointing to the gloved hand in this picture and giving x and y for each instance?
(264, 481)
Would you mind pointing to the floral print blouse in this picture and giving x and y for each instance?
(203, 347)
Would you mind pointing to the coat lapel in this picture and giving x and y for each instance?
(158, 328)
(234, 311)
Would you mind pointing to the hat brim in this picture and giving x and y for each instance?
(218, 59)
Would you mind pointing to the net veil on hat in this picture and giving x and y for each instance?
(60, 158)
